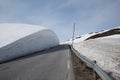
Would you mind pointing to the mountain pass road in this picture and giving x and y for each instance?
(51, 64)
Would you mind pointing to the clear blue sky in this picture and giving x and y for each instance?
(59, 15)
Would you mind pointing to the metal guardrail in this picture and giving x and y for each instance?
(92, 65)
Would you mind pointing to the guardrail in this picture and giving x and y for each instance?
(92, 64)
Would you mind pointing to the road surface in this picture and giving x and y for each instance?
(51, 64)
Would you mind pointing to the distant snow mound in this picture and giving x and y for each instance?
(21, 39)
(94, 35)
(105, 33)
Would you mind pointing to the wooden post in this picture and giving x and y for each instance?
(94, 75)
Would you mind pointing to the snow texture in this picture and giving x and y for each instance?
(21, 39)
(105, 50)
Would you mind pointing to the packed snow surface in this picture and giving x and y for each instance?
(21, 39)
(105, 50)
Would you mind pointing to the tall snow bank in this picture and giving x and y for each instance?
(21, 39)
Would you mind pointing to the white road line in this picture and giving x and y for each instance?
(68, 54)
(68, 61)
(68, 64)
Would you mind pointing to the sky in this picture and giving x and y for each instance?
(60, 15)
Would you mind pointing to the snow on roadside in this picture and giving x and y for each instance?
(79, 38)
(13, 32)
(105, 50)
(102, 46)
(20, 39)
(83, 37)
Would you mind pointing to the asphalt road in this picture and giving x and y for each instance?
(51, 64)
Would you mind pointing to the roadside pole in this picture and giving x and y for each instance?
(73, 34)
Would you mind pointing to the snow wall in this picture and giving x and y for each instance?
(21, 39)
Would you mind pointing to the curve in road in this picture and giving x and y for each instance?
(51, 64)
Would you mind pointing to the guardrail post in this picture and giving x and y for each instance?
(94, 73)
(84, 66)
(97, 72)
